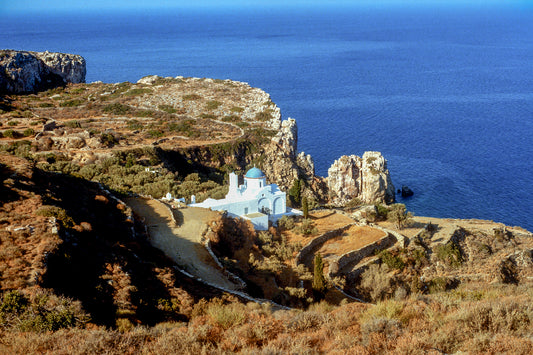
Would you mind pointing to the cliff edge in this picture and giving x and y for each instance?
(23, 72)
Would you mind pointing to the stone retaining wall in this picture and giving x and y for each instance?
(309, 247)
(359, 254)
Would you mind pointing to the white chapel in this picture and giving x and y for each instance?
(254, 200)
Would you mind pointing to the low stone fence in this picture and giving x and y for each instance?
(234, 278)
(309, 247)
(357, 255)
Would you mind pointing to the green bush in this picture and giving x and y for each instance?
(155, 133)
(71, 103)
(192, 97)
(212, 105)
(265, 115)
(57, 212)
(286, 223)
(236, 109)
(230, 118)
(137, 91)
(227, 316)
(73, 124)
(41, 312)
(46, 104)
(307, 227)
(10, 133)
(13, 303)
(13, 123)
(117, 109)
(449, 253)
(167, 108)
(28, 132)
(134, 125)
(392, 261)
(108, 139)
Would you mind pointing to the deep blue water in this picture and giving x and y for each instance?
(445, 95)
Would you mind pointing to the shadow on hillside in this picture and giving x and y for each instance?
(112, 273)
(7, 194)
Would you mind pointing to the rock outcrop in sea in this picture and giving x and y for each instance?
(366, 179)
(29, 72)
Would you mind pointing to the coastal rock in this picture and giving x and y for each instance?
(406, 191)
(306, 164)
(287, 137)
(149, 80)
(27, 72)
(282, 164)
(365, 178)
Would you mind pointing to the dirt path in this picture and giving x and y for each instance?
(181, 242)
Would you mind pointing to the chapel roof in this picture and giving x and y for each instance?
(254, 173)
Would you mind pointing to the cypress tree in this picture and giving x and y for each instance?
(318, 275)
(305, 207)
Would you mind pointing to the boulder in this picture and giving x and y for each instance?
(406, 191)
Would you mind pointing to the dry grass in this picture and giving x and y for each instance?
(418, 325)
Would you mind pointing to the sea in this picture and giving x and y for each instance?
(445, 93)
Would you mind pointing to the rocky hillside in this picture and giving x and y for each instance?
(62, 236)
(183, 125)
(28, 72)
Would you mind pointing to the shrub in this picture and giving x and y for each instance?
(73, 124)
(376, 281)
(134, 125)
(57, 212)
(117, 109)
(307, 227)
(382, 211)
(236, 109)
(295, 193)
(155, 133)
(137, 91)
(13, 303)
(449, 253)
(71, 103)
(230, 118)
(46, 104)
(167, 108)
(28, 132)
(10, 133)
(192, 97)
(392, 261)
(108, 139)
(265, 115)
(13, 123)
(286, 223)
(213, 105)
(399, 215)
(226, 316)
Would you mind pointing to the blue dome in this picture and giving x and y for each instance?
(254, 173)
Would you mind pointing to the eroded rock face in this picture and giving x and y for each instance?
(282, 163)
(28, 72)
(365, 178)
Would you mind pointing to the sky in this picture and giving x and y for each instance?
(22, 6)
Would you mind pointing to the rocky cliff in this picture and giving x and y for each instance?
(28, 72)
(366, 179)
(282, 162)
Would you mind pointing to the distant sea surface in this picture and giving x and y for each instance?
(445, 95)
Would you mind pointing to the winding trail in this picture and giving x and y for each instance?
(180, 238)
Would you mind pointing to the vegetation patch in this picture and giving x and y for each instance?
(450, 253)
